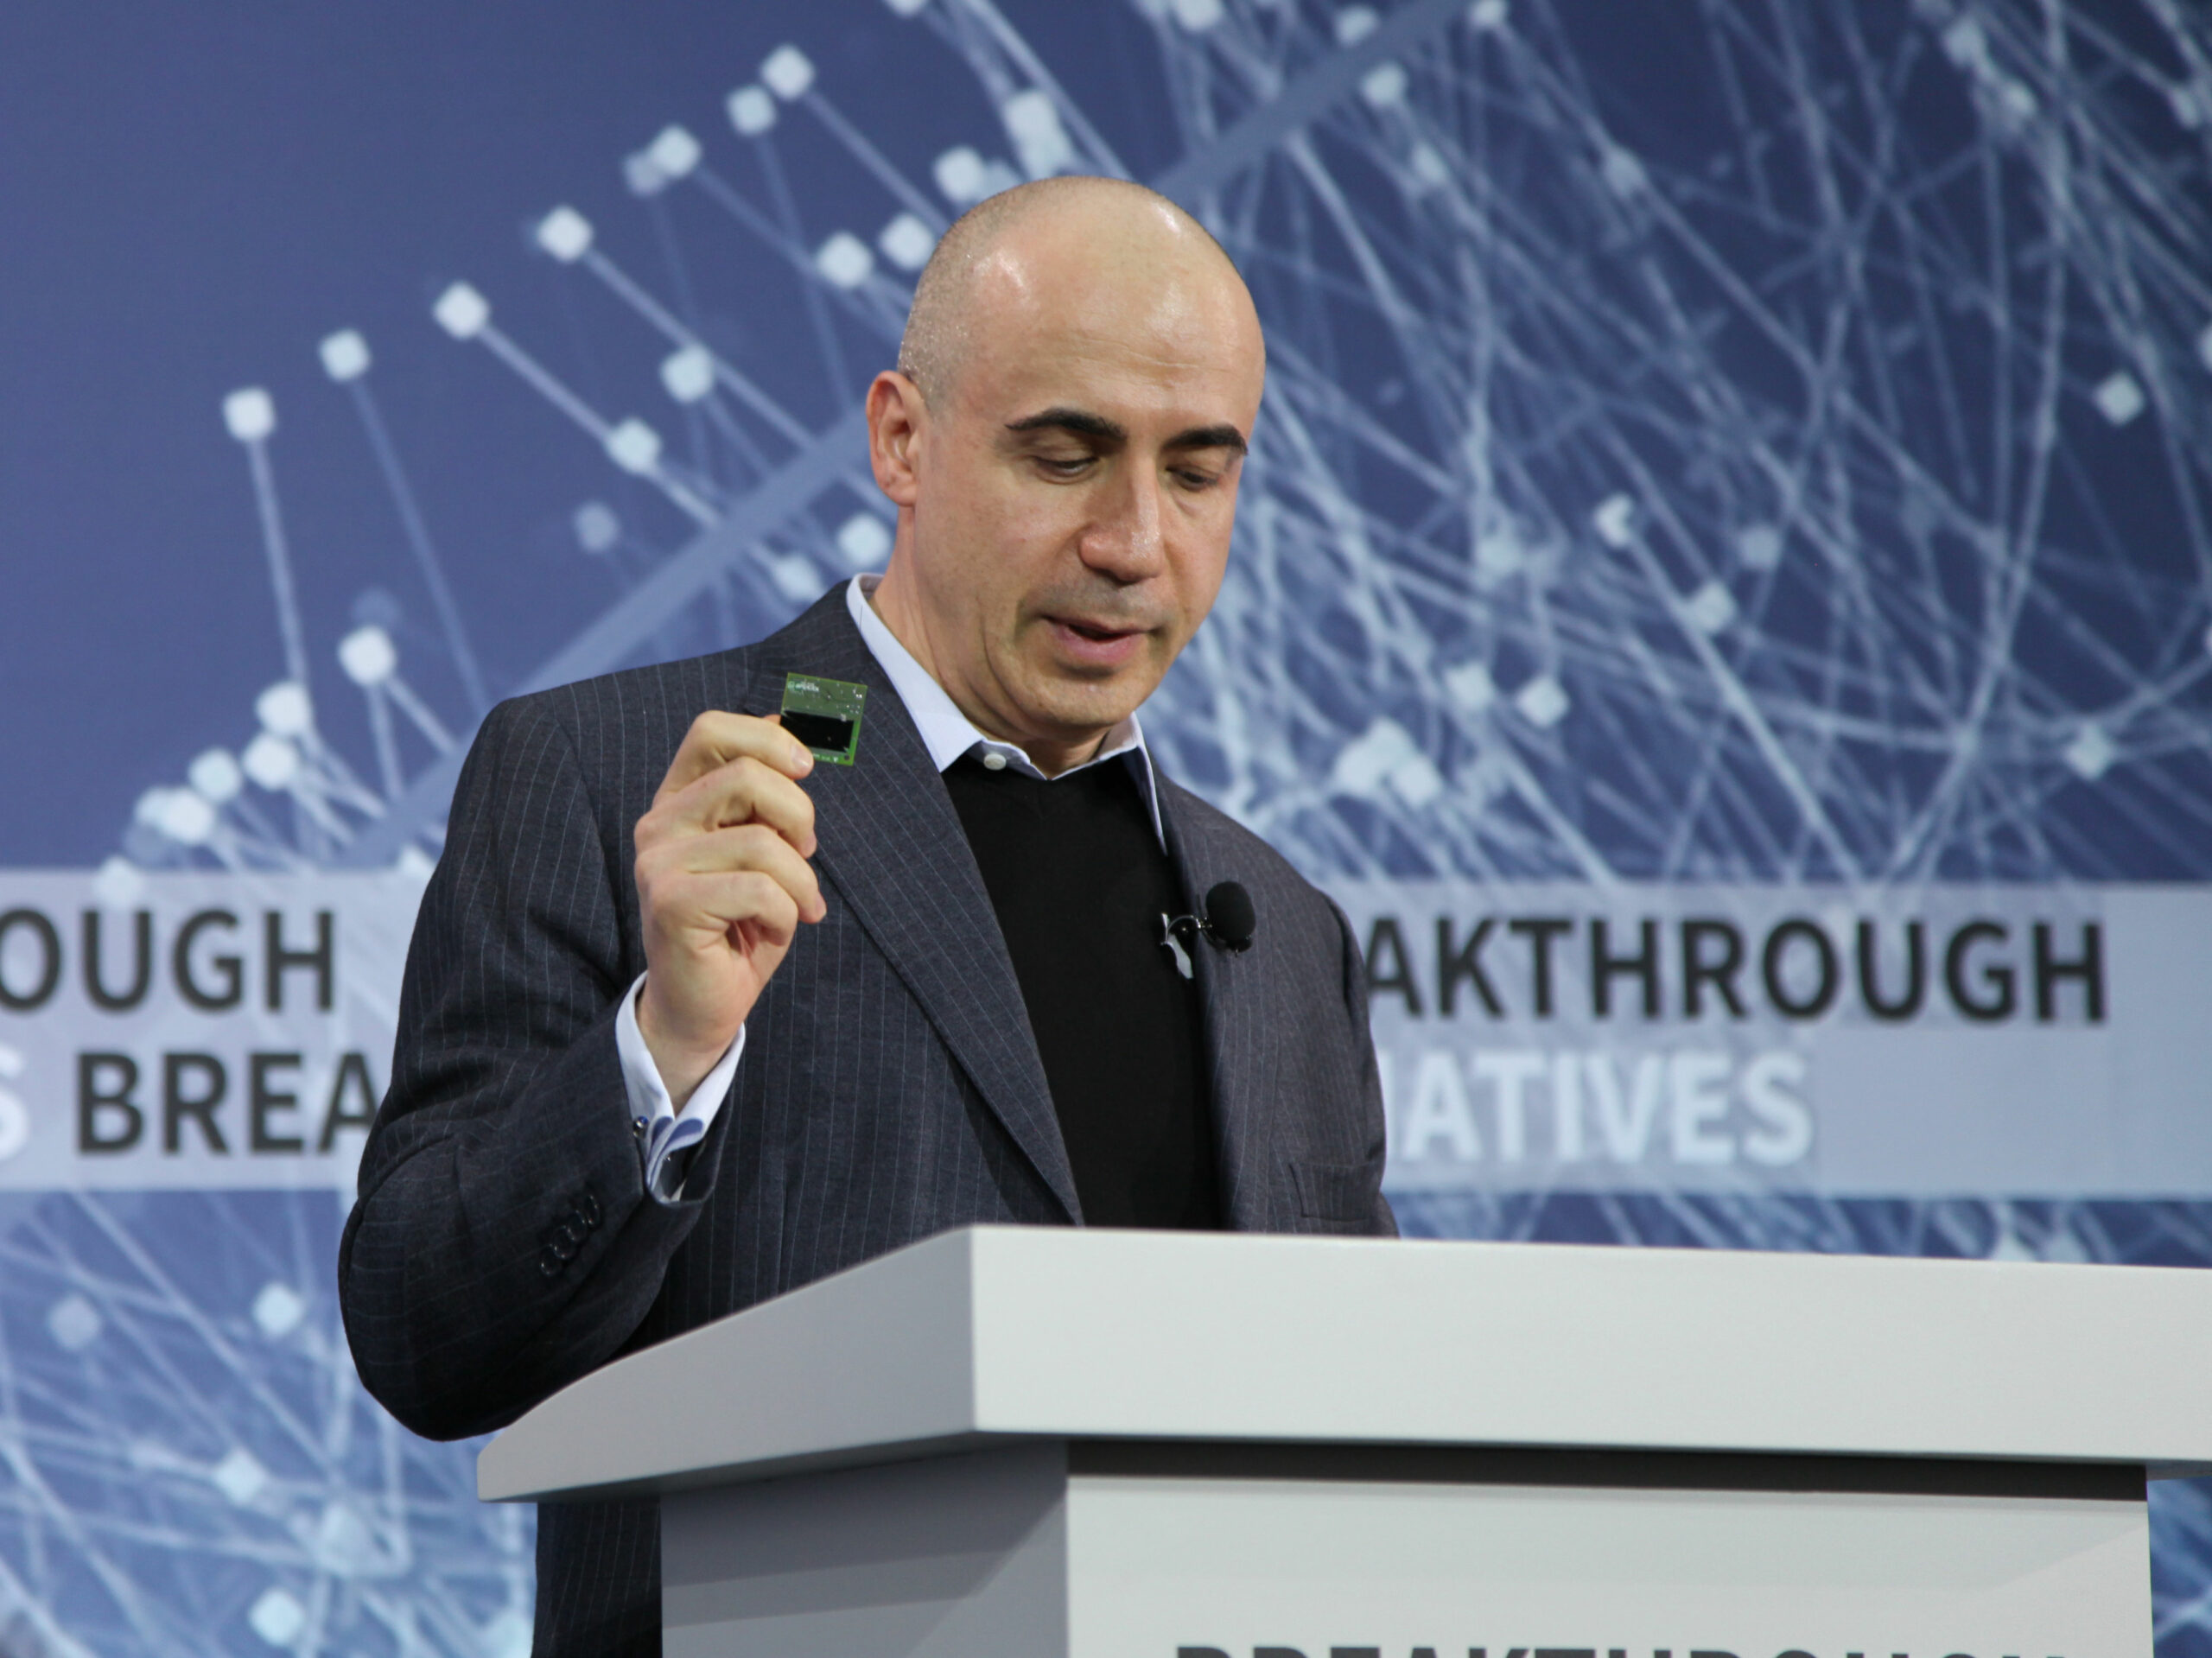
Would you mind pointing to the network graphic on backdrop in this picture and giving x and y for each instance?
(1730, 502)
(1806, 484)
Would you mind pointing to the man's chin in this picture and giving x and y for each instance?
(1072, 710)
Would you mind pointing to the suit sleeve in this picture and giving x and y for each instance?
(502, 1243)
(1372, 1114)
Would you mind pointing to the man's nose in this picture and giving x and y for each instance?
(1126, 539)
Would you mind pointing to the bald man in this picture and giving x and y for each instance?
(691, 1018)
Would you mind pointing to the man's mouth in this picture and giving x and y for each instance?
(1096, 644)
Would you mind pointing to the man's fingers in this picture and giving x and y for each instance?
(746, 900)
(743, 791)
(717, 738)
(664, 870)
(747, 847)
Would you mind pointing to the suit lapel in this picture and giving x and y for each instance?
(1240, 1058)
(892, 845)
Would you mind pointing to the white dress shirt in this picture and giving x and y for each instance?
(948, 735)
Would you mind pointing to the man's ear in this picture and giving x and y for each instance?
(896, 417)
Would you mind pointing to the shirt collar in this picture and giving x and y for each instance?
(948, 735)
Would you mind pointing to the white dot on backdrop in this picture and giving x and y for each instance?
(249, 414)
(461, 311)
(635, 447)
(565, 234)
(1623, 174)
(1615, 520)
(1365, 763)
(284, 708)
(1711, 608)
(344, 355)
(795, 577)
(368, 655)
(689, 374)
(75, 1323)
(1498, 554)
(507, 1635)
(1384, 85)
(1469, 686)
(271, 762)
(844, 260)
(597, 528)
(277, 1617)
(906, 242)
(788, 73)
(2092, 752)
(2119, 399)
(674, 151)
(1759, 545)
(1032, 121)
(863, 541)
(1543, 701)
(278, 1309)
(1416, 781)
(960, 175)
(185, 817)
(239, 1476)
(119, 884)
(752, 110)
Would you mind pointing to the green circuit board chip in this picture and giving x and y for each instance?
(824, 715)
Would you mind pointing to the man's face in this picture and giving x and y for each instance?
(1075, 485)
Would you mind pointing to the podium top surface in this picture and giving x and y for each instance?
(993, 1334)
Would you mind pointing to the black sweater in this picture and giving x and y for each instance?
(1079, 882)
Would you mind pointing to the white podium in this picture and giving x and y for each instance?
(1037, 1443)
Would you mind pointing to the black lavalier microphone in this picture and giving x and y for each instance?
(1229, 919)
(1228, 922)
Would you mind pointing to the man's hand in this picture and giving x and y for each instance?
(724, 883)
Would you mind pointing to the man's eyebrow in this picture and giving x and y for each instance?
(1081, 422)
(1208, 437)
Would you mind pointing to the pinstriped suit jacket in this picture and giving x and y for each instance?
(503, 1243)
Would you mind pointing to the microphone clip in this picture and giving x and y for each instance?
(1227, 921)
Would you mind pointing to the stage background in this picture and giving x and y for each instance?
(1721, 596)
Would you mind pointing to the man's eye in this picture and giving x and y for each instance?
(1192, 479)
(1063, 466)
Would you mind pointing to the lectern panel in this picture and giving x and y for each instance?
(948, 1557)
(1213, 1569)
(1199, 1550)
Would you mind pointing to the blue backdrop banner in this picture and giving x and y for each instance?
(1722, 594)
